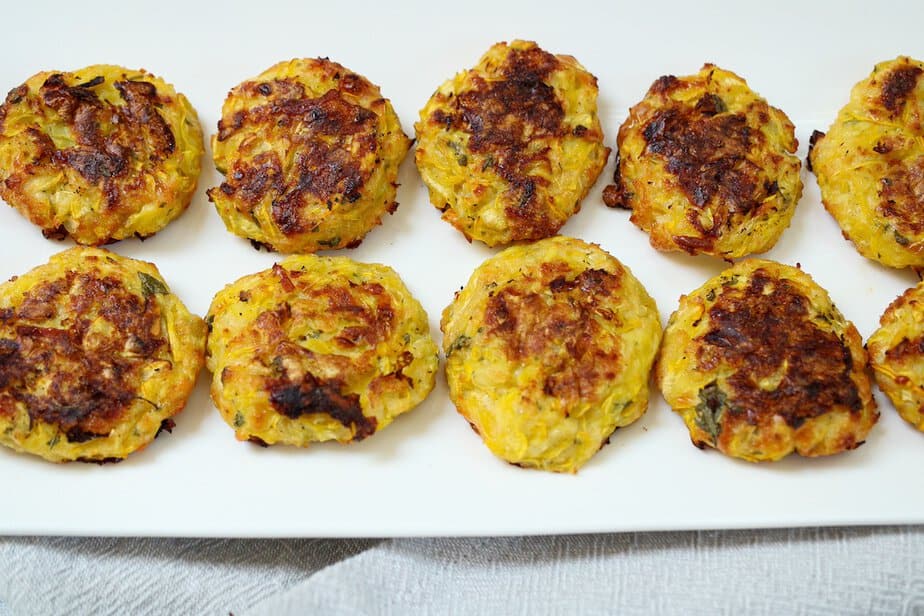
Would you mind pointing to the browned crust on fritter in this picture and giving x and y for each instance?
(312, 395)
(706, 150)
(757, 333)
(564, 331)
(293, 390)
(615, 195)
(108, 137)
(901, 191)
(502, 116)
(816, 137)
(901, 195)
(897, 86)
(329, 138)
(94, 376)
(906, 348)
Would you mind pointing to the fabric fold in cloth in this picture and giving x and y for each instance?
(805, 571)
(154, 576)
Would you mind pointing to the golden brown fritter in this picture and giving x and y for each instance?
(318, 349)
(548, 351)
(510, 148)
(99, 154)
(896, 353)
(310, 152)
(760, 363)
(870, 165)
(707, 166)
(96, 356)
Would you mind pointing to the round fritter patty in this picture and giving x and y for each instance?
(870, 165)
(96, 356)
(896, 352)
(760, 363)
(509, 148)
(707, 166)
(548, 351)
(310, 152)
(99, 154)
(318, 349)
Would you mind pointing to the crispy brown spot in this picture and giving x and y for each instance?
(560, 326)
(817, 136)
(250, 182)
(328, 138)
(58, 233)
(503, 117)
(283, 275)
(901, 194)
(353, 83)
(365, 317)
(664, 85)
(109, 137)
(92, 377)
(906, 348)
(694, 245)
(372, 324)
(706, 150)
(616, 195)
(16, 95)
(897, 86)
(712, 104)
(314, 395)
(167, 426)
(759, 329)
(141, 98)
(882, 147)
(100, 461)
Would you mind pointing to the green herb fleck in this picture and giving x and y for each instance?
(406, 338)
(712, 404)
(730, 281)
(621, 405)
(209, 321)
(331, 242)
(151, 285)
(278, 366)
(901, 239)
(488, 163)
(459, 343)
(238, 420)
(54, 441)
(461, 158)
(710, 296)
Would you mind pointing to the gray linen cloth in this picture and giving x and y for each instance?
(796, 571)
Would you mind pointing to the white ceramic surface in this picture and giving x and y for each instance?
(428, 474)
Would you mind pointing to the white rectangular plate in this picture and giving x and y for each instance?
(428, 474)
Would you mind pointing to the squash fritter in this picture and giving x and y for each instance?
(760, 363)
(310, 152)
(510, 148)
(317, 349)
(707, 166)
(548, 350)
(96, 356)
(870, 165)
(896, 353)
(99, 154)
